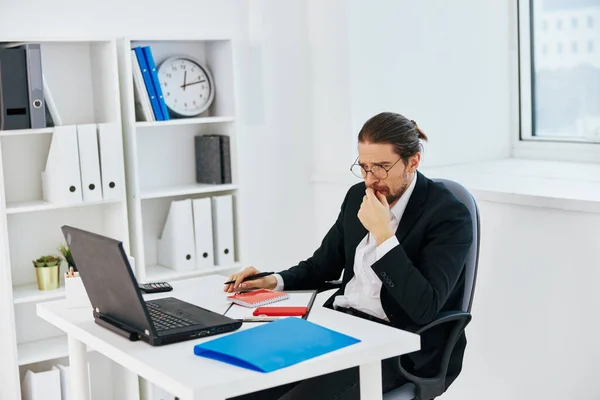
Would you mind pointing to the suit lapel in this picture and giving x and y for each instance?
(414, 208)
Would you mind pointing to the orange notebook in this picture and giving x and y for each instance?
(258, 298)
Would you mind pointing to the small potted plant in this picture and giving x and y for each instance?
(66, 253)
(47, 270)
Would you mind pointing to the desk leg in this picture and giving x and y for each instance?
(78, 370)
(370, 381)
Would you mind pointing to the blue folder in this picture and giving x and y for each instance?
(274, 345)
(148, 82)
(156, 82)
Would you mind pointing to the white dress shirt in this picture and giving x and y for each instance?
(362, 292)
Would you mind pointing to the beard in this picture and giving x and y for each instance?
(392, 195)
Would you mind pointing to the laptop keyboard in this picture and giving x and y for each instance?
(163, 321)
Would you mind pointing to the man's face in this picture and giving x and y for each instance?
(381, 155)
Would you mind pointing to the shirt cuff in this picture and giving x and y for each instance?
(279, 287)
(386, 246)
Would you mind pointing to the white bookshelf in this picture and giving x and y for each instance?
(186, 121)
(160, 155)
(31, 294)
(28, 132)
(185, 190)
(42, 350)
(52, 348)
(83, 78)
(41, 205)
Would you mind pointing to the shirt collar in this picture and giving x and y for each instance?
(398, 209)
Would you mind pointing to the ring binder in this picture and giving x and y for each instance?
(175, 247)
(61, 180)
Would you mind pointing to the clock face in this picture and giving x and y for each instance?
(187, 87)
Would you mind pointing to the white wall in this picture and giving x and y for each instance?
(444, 64)
(534, 333)
(277, 150)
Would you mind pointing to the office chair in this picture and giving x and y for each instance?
(430, 388)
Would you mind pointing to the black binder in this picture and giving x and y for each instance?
(14, 98)
(225, 159)
(213, 159)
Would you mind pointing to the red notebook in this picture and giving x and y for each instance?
(258, 298)
(276, 311)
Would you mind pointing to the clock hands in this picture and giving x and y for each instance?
(192, 83)
(184, 79)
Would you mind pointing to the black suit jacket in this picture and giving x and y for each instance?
(421, 277)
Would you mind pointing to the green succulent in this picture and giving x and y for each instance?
(46, 261)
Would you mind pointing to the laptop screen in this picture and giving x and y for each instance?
(107, 276)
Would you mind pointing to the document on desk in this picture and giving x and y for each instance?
(297, 298)
(275, 345)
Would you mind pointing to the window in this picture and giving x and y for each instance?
(560, 90)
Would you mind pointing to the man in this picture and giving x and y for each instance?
(401, 241)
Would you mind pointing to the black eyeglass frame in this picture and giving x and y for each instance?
(387, 170)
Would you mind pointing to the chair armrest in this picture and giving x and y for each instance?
(445, 317)
(429, 388)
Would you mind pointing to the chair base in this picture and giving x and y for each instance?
(404, 392)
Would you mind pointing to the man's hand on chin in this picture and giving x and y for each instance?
(374, 214)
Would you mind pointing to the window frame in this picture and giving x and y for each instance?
(525, 144)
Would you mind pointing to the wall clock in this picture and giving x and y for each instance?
(187, 85)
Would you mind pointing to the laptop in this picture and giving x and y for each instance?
(118, 303)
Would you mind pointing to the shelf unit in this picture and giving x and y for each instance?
(160, 155)
(184, 121)
(83, 78)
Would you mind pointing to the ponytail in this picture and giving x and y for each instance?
(420, 133)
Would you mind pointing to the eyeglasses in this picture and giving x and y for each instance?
(378, 171)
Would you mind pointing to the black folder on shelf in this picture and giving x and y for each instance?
(213, 159)
(14, 99)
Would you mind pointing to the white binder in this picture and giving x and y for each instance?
(175, 247)
(203, 233)
(111, 160)
(61, 180)
(222, 211)
(65, 381)
(143, 107)
(89, 162)
(41, 385)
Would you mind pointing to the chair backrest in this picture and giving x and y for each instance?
(473, 257)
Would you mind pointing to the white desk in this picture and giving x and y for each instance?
(175, 368)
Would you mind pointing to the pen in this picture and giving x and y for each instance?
(259, 319)
(251, 277)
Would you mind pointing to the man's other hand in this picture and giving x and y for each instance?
(267, 282)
